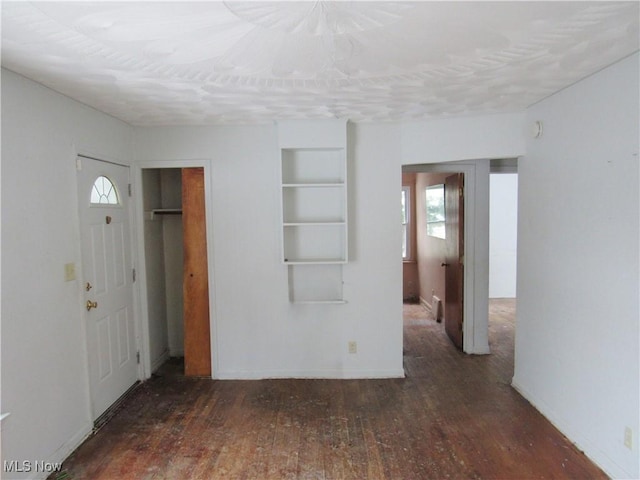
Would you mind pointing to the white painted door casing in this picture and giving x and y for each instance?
(107, 279)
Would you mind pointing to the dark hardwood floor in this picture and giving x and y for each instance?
(454, 416)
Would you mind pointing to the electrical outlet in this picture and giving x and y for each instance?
(353, 347)
(69, 272)
(628, 438)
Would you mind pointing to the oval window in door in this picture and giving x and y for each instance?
(104, 192)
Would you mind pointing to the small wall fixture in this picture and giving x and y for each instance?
(536, 129)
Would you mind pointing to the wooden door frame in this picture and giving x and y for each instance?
(145, 352)
(476, 247)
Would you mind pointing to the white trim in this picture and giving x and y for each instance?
(426, 305)
(329, 374)
(145, 353)
(610, 467)
(86, 152)
(476, 279)
(64, 451)
(407, 190)
(160, 360)
(82, 310)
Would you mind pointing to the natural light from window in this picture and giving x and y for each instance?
(435, 210)
(406, 210)
(104, 192)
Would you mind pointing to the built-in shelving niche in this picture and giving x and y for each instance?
(314, 218)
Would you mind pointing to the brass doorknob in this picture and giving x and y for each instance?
(91, 305)
(444, 264)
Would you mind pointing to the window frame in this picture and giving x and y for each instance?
(431, 224)
(102, 195)
(407, 223)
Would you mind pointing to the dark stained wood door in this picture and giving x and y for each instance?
(454, 273)
(197, 338)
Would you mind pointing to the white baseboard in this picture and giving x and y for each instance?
(155, 364)
(308, 374)
(426, 305)
(484, 350)
(64, 451)
(597, 456)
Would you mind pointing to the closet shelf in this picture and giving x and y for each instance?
(318, 261)
(315, 223)
(319, 302)
(163, 211)
(338, 184)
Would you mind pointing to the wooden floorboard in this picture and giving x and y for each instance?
(454, 416)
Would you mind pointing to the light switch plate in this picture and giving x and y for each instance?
(628, 438)
(69, 272)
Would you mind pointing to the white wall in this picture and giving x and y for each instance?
(154, 253)
(44, 375)
(463, 138)
(171, 182)
(577, 337)
(578, 234)
(257, 331)
(503, 234)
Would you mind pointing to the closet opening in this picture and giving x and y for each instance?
(175, 252)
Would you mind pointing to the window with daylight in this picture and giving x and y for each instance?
(104, 192)
(435, 210)
(406, 226)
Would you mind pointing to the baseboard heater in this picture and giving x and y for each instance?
(436, 308)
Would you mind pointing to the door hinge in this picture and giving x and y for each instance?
(138, 357)
(462, 260)
(129, 188)
(133, 275)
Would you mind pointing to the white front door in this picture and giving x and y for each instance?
(107, 278)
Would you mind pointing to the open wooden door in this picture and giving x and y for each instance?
(197, 338)
(454, 259)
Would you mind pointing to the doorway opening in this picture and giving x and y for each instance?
(176, 269)
(503, 232)
(475, 237)
(433, 248)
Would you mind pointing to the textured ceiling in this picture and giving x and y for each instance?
(161, 63)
